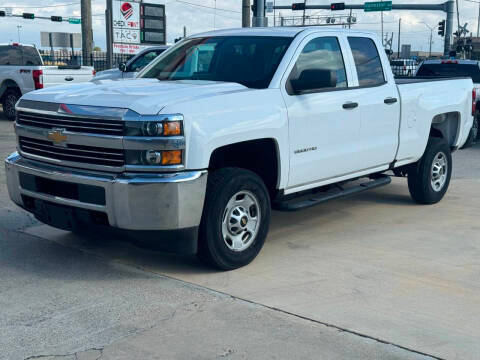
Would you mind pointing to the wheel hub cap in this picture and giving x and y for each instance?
(439, 172)
(241, 220)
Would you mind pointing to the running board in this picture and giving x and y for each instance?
(309, 200)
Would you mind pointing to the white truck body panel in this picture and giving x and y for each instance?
(327, 135)
(349, 143)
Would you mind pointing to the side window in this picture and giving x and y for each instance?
(367, 61)
(143, 61)
(321, 64)
(10, 55)
(31, 56)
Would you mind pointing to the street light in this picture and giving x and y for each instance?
(18, 30)
(431, 34)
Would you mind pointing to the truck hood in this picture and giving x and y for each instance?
(144, 96)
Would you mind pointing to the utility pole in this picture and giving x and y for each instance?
(430, 49)
(399, 29)
(245, 13)
(350, 20)
(478, 21)
(382, 26)
(108, 32)
(86, 13)
(304, 9)
(259, 20)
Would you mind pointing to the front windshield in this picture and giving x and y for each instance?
(247, 60)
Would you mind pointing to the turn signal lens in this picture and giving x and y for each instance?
(172, 128)
(172, 157)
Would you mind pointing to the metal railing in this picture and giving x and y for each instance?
(97, 59)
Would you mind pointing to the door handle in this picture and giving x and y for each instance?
(390, 100)
(350, 105)
(69, 78)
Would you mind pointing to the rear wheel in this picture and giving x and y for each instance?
(235, 218)
(429, 178)
(10, 98)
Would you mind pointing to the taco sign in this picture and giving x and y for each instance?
(126, 22)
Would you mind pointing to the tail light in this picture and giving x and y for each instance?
(474, 103)
(38, 78)
(94, 72)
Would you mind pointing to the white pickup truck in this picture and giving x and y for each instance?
(224, 126)
(22, 70)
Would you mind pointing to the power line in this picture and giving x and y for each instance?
(42, 7)
(207, 7)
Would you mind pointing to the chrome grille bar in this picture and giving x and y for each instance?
(77, 124)
(77, 153)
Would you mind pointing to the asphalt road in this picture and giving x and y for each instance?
(369, 277)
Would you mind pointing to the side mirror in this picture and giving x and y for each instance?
(314, 79)
(122, 67)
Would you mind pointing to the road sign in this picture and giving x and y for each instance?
(377, 6)
(74, 20)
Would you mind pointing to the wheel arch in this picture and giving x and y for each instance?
(446, 126)
(262, 156)
(7, 84)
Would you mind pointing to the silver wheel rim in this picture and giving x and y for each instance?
(241, 221)
(10, 102)
(439, 171)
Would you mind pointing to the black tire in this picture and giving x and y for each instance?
(223, 185)
(473, 135)
(420, 175)
(10, 98)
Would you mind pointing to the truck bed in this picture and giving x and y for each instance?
(422, 79)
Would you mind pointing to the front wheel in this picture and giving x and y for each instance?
(10, 98)
(235, 218)
(429, 178)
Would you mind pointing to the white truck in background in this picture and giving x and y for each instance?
(22, 70)
(224, 126)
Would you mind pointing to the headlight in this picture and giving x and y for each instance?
(167, 127)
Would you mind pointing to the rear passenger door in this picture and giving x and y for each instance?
(378, 101)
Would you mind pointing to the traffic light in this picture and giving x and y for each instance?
(28, 16)
(298, 6)
(441, 28)
(56, 18)
(337, 6)
(2, 13)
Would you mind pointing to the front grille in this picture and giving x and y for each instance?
(80, 125)
(73, 153)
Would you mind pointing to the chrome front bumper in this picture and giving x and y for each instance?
(147, 201)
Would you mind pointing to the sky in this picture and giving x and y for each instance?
(200, 15)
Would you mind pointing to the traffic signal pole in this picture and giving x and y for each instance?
(447, 7)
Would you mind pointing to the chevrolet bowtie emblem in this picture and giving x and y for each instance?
(57, 136)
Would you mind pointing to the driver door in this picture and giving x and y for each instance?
(324, 120)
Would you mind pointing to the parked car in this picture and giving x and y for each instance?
(22, 70)
(452, 69)
(403, 67)
(133, 66)
(228, 124)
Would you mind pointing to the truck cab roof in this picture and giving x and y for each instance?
(278, 31)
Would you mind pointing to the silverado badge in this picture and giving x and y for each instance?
(57, 136)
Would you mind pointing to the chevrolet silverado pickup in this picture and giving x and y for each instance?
(226, 125)
(22, 70)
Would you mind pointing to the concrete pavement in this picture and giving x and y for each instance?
(329, 281)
